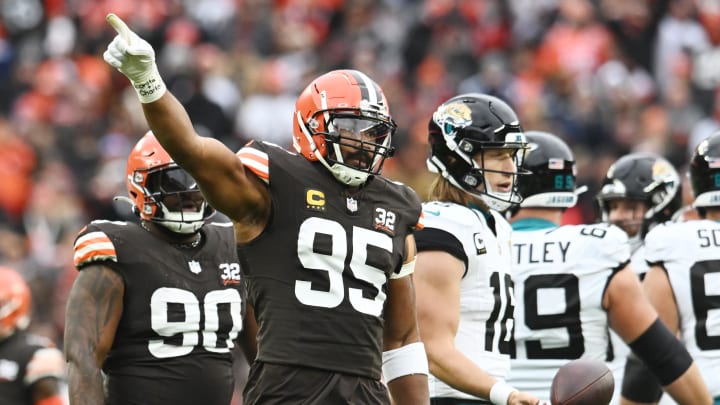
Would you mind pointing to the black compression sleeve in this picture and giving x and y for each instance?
(662, 352)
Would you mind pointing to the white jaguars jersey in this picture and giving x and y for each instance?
(560, 275)
(690, 253)
(486, 293)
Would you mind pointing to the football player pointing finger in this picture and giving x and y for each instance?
(326, 243)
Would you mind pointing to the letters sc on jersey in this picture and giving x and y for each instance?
(486, 291)
(690, 254)
(317, 275)
(560, 275)
(182, 311)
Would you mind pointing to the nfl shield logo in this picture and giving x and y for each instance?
(195, 266)
(352, 204)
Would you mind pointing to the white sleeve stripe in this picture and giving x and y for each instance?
(95, 246)
(254, 164)
(253, 151)
(91, 235)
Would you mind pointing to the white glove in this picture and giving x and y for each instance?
(135, 58)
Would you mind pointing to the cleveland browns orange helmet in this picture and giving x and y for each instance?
(343, 121)
(15, 302)
(163, 192)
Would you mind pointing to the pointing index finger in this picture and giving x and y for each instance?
(119, 26)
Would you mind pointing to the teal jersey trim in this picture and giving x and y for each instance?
(532, 224)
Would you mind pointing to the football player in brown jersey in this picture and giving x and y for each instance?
(154, 312)
(326, 243)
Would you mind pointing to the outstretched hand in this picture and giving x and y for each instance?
(135, 58)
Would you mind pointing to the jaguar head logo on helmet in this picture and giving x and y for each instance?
(461, 131)
(161, 191)
(343, 121)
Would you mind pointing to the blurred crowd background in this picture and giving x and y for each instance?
(609, 76)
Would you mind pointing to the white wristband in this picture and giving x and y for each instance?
(150, 89)
(406, 360)
(500, 393)
(406, 269)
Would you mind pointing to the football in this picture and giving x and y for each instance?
(582, 382)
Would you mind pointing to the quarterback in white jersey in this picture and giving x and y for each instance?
(484, 330)
(573, 282)
(639, 191)
(463, 283)
(684, 277)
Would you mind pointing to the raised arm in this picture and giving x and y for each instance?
(221, 176)
(93, 312)
(226, 184)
